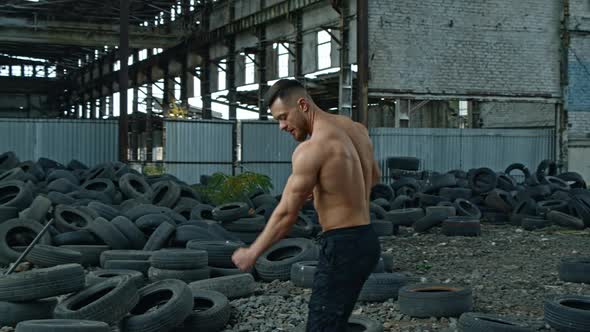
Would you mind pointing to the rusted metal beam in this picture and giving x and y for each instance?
(83, 34)
(123, 81)
(360, 113)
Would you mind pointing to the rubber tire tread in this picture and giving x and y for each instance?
(380, 287)
(16, 312)
(434, 304)
(212, 319)
(63, 224)
(461, 228)
(188, 276)
(108, 308)
(9, 255)
(230, 211)
(42, 283)
(179, 259)
(90, 253)
(159, 237)
(107, 232)
(404, 217)
(125, 185)
(565, 220)
(564, 318)
(98, 276)
(43, 255)
(109, 255)
(131, 232)
(233, 286)
(106, 211)
(219, 253)
(271, 270)
(61, 325)
(166, 316)
(575, 269)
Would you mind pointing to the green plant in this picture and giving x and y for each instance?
(222, 188)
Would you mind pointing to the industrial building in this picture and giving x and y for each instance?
(132, 126)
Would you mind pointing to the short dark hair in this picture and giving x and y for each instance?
(281, 89)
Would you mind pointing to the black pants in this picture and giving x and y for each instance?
(347, 258)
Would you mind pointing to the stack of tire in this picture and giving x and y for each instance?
(539, 200)
(117, 301)
(32, 294)
(246, 221)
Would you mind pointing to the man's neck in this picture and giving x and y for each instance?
(314, 115)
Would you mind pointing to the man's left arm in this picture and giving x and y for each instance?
(306, 166)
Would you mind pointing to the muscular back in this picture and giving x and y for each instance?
(341, 196)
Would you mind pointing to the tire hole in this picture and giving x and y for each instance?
(90, 299)
(576, 304)
(284, 253)
(152, 301)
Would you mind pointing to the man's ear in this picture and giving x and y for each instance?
(303, 103)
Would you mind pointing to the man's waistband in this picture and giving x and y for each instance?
(345, 230)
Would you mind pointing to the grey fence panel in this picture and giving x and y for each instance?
(18, 136)
(263, 141)
(195, 148)
(498, 148)
(267, 150)
(89, 141)
(442, 150)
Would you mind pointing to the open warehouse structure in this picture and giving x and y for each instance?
(139, 165)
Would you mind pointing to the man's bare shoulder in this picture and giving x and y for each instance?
(309, 148)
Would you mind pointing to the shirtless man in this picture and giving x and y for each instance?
(336, 165)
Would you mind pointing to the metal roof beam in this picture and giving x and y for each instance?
(82, 34)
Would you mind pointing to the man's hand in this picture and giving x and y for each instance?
(244, 259)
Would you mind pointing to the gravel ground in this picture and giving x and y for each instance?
(510, 271)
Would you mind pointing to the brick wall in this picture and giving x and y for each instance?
(470, 47)
(516, 115)
(578, 93)
(578, 124)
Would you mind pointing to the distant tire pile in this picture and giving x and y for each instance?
(458, 201)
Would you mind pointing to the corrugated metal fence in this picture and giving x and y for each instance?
(442, 150)
(89, 141)
(266, 149)
(195, 148)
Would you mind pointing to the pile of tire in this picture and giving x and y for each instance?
(458, 200)
(148, 229)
